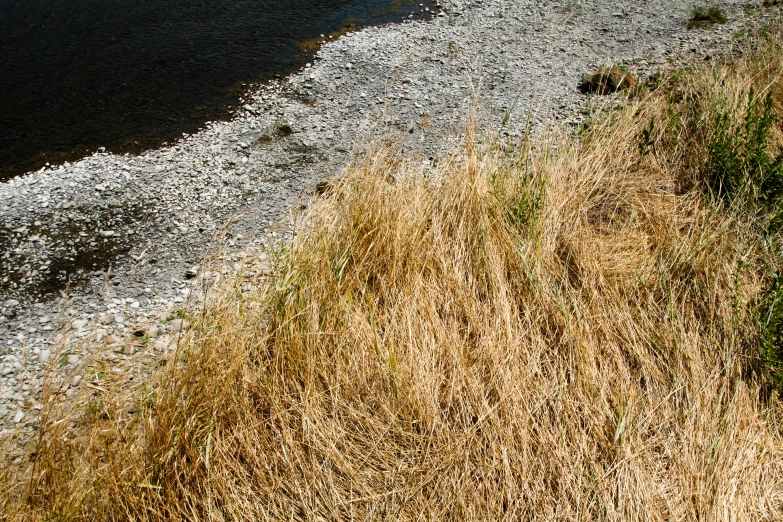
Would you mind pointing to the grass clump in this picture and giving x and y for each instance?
(552, 335)
(740, 161)
(607, 80)
(704, 17)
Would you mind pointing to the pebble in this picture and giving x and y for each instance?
(178, 325)
(106, 233)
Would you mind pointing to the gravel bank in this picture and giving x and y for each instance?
(130, 231)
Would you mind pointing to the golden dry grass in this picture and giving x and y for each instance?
(540, 335)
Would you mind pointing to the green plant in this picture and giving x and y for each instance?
(704, 17)
(647, 142)
(572, 6)
(739, 162)
(771, 332)
(179, 313)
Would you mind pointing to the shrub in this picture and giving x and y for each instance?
(771, 332)
(740, 164)
(705, 17)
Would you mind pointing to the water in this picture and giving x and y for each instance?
(128, 75)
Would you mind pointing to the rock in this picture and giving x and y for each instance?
(106, 233)
(18, 417)
(110, 339)
(178, 325)
(79, 324)
(191, 272)
(11, 303)
(3, 410)
(43, 357)
(135, 304)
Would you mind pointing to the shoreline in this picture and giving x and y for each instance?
(156, 214)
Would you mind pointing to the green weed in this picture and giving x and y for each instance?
(706, 17)
(739, 162)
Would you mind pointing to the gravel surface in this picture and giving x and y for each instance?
(102, 248)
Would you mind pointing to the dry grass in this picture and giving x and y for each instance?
(545, 335)
(607, 80)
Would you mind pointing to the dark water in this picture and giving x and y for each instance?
(127, 75)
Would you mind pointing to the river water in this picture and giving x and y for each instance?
(76, 75)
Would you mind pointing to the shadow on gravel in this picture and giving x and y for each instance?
(46, 258)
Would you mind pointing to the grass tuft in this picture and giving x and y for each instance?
(705, 17)
(607, 80)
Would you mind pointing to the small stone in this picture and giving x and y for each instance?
(349, 66)
(79, 324)
(3, 410)
(178, 325)
(76, 380)
(135, 304)
(106, 233)
(11, 303)
(110, 339)
(191, 272)
(19, 416)
(43, 357)
(73, 359)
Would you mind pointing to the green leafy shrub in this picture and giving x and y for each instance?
(771, 332)
(739, 162)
